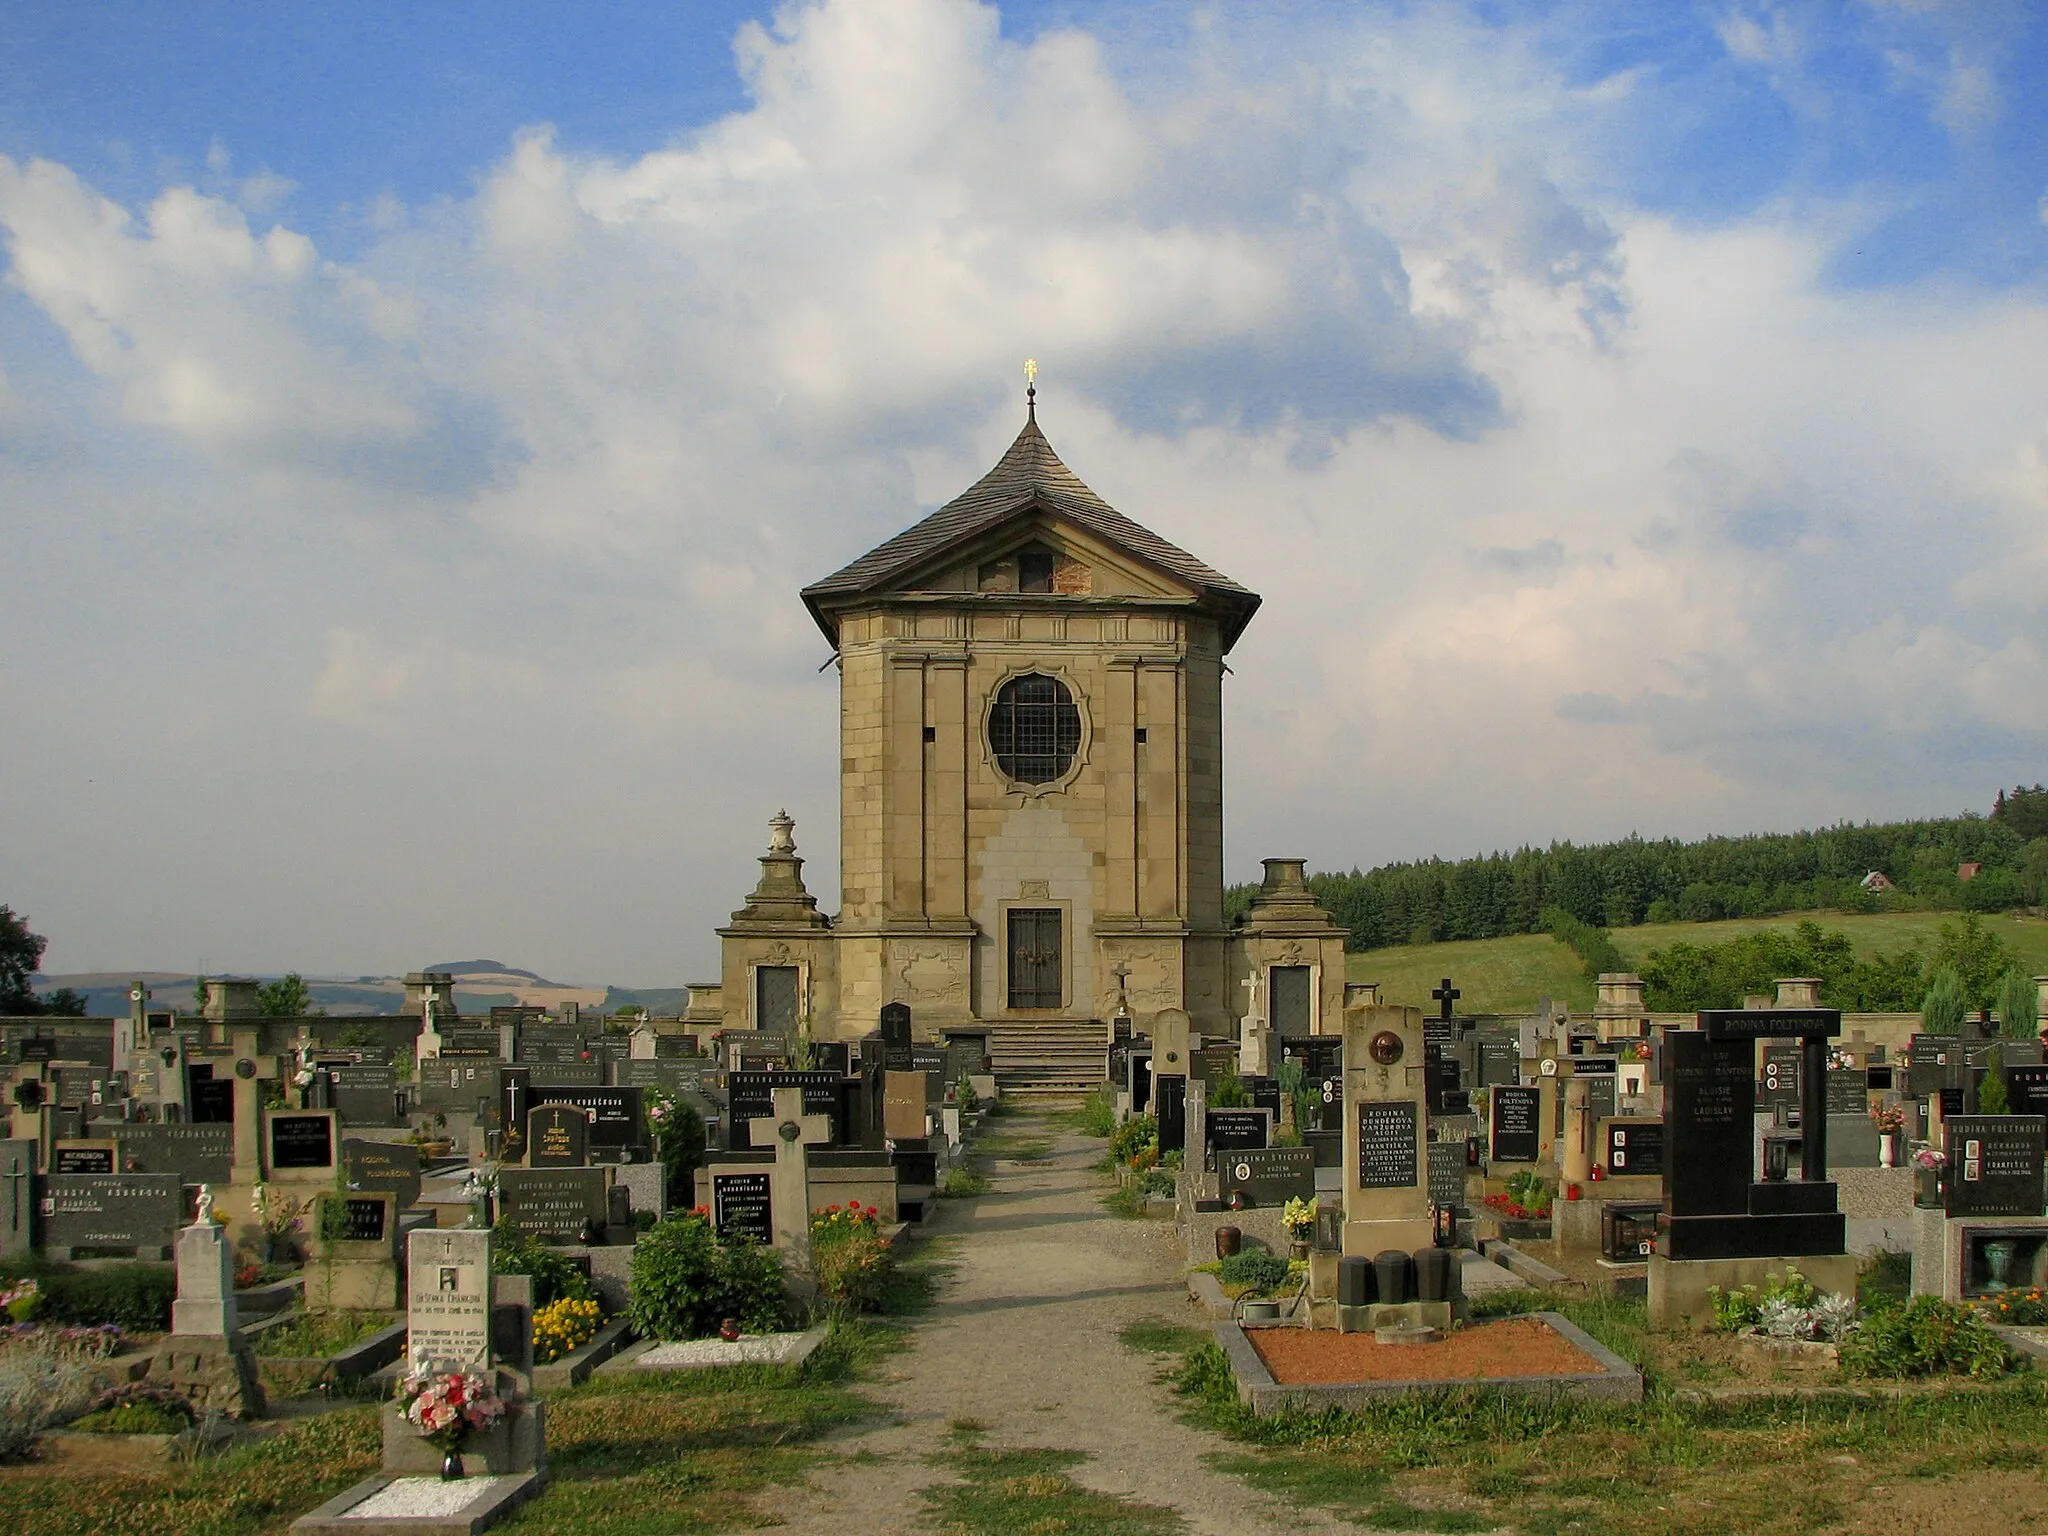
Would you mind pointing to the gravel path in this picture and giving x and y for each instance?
(1023, 1340)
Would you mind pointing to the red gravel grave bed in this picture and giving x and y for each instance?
(1520, 1346)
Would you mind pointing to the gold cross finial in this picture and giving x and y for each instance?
(1030, 370)
(1031, 387)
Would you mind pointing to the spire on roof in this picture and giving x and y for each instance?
(1031, 388)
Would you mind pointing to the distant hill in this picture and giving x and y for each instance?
(1961, 863)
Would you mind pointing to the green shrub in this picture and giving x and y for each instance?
(1097, 1115)
(554, 1278)
(684, 1282)
(1133, 1137)
(1943, 1007)
(1991, 1095)
(1925, 1336)
(1254, 1267)
(1593, 946)
(1229, 1093)
(2018, 1002)
(853, 1265)
(133, 1297)
(138, 1409)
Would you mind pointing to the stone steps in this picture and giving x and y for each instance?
(1037, 1059)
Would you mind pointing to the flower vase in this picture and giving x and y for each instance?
(1887, 1151)
(1297, 1249)
(1998, 1258)
(451, 1466)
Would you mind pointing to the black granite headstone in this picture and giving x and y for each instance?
(1234, 1130)
(556, 1205)
(1994, 1165)
(1710, 1094)
(82, 1160)
(1848, 1090)
(2026, 1090)
(1169, 1093)
(363, 1220)
(1779, 1085)
(895, 1025)
(1388, 1144)
(618, 1123)
(384, 1167)
(751, 1096)
(301, 1141)
(1270, 1176)
(557, 1136)
(1515, 1126)
(1447, 1175)
(1635, 1147)
(740, 1207)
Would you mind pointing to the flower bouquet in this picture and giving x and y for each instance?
(1299, 1218)
(446, 1405)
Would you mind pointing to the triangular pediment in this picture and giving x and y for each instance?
(1030, 498)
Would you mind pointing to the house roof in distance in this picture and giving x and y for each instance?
(1028, 478)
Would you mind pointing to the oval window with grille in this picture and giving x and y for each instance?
(1034, 729)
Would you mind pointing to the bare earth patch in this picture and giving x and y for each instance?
(1520, 1346)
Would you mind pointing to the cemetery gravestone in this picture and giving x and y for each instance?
(1780, 1084)
(1388, 1144)
(300, 1142)
(1708, 1109)
(1848, 1091)
(83, 1157)
(447, 1313)
(364, 1095)
(557, 1136)
(1228, 1131)
(2026, 1089)
(617, 1126)
(384, 1167)
(741, 1207)
(1269, 1176)
(790, 1131)
(1513, 1124)
(1447, 1175)
(895, 1026)
(139, 1212)
(751, 1096)
(1635, 1147)
(1994, 1165)
(197, 1154)
(555, 1205)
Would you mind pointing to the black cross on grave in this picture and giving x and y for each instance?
(1446, 994)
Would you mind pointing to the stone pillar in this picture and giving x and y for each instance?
(230, 997)
(1799, 992)
(206, 1283)
(1575, 1164)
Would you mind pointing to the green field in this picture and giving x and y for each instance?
(1509, 975)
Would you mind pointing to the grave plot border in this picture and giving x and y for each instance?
(505, 1492)
(1616, 1381)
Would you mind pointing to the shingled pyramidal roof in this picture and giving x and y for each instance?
(1028, 476)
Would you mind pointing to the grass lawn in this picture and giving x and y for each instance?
(1773, 1465)
(629, 1455)
(1508, 975)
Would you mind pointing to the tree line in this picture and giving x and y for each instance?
(1635, 880)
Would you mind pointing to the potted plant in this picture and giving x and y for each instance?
(446, 1405)
(1298, 1216)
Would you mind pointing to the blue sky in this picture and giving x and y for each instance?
(419, 419)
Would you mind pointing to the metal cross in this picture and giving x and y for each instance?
(14, 1178)
(1446, 995)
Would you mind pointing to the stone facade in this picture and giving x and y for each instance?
(1031, 789)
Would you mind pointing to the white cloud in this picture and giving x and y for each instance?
(1569, 519)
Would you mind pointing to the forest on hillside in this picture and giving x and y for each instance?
(1621, 884)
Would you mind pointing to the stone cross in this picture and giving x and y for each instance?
(1251, 1050)
(428, 1045)
(248, 1164)
(789, 1130)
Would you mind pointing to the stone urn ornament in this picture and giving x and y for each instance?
(729, 1330)
(1228, 1241)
